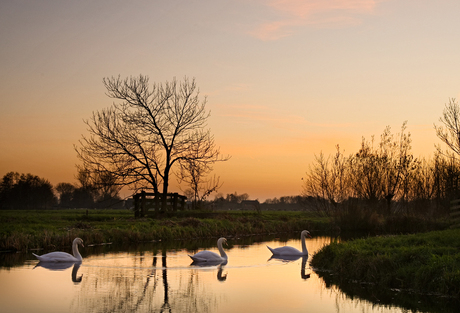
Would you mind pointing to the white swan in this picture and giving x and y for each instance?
(290, 251)
(59, 256)
(210, 257)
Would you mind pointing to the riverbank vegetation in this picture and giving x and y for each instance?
(52, 229)
(427, 263)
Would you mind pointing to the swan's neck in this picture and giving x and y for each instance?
(75, 251)
(221, 250)
(304, 245)
(76, 279)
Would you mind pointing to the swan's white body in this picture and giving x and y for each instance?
(211, 257)
(59, 256)
(291, 251)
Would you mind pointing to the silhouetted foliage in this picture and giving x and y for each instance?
(449, 133)
(26, 191)
(382, 180)
(195, 174)
(66, 192)
(96, 190)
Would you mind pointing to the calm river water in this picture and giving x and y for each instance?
(162, 279)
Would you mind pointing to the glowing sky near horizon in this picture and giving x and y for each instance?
(284, 79)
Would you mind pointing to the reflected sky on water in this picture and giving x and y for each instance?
(165, 281)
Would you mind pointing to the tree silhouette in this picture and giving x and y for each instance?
(25, 191)
(449, 132)
(153, 128)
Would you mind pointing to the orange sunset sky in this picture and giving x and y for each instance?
(284, 79)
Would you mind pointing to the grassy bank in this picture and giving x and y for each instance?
(428, 263)
(53, 229)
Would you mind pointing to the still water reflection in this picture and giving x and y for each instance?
(163, 280)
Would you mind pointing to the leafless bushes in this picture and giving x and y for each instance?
(382, 180)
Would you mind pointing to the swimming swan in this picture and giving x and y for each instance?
(290, 251)
(211, 257)
(59, 256)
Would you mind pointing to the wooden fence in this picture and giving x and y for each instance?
(455, 213)
(146, 203)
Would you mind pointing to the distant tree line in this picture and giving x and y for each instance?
(27, 191)
(233, 201)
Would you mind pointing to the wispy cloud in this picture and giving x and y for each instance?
(250, 114)
(292, 14)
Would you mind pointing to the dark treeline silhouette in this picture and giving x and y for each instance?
(235, 201)
(27, 191)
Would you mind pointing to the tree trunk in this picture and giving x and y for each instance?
(165, 188)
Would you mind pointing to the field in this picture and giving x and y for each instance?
(52, 229)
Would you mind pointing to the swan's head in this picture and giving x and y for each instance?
(222, 241)
(306, 233)
(78, 241)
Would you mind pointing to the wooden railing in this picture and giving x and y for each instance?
(455, 213)
(146, 203)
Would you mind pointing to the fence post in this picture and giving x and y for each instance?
(157, 202)
(182, 203)
(174, 201)
(143, 208)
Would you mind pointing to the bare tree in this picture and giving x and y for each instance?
(372, 174)
(449, 132)
(105, 186)
(366, 173)
(194, 174)
(152, 128)
(422, 185)
(326, 182)
(398, 164)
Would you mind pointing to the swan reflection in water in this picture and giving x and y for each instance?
(60, 266)
(293, 258)
(220, 273)
(220, 276)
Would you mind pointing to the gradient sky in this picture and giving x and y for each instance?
(284, 79)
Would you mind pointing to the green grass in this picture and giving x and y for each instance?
(427, 263)
(52, 229)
